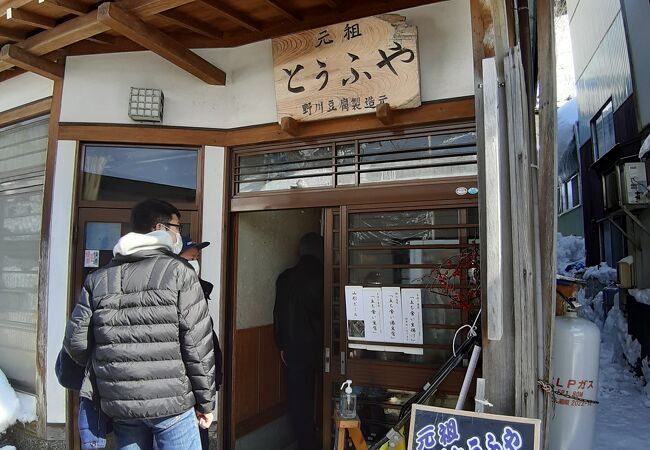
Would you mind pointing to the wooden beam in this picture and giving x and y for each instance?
(105, 40)
(290, 126)
(190, 23)
(232, 15)
(149, 8)
(384, 113)
(336, 4)
(19, 57)
(11, 73)
(69, 6)
(25, 112)
(6, 4)
(460, 110)
(158, 42)
(84, 27)
(12, 34)
(275, 4)
(30, 18)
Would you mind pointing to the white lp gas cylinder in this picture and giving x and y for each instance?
(576, 354)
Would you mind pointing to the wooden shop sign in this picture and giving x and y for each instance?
(347, 69)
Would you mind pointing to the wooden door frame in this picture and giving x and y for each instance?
(439, 194)
(78, 206)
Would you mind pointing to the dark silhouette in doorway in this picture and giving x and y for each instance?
(298, 330)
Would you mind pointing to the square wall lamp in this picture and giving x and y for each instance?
(146, 104)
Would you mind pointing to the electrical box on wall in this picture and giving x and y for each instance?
(626, 185)
(634, 184)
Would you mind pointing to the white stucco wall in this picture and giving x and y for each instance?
(59, 275)
(213, 225)
(268, 244)
(24, 89)
(96, 87)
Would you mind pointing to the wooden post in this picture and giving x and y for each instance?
(290, 126)
(523, 232)
(479, 397)
(490, 39)
(384, 113)
(547, 180)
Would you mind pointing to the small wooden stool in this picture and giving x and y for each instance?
(352, 426)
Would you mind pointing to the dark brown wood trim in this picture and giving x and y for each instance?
(24, 112)
(231, 327)
(226, 391)
(441, 189)
(138, 134)
(452, 110)
(249, 425)
(43, 273)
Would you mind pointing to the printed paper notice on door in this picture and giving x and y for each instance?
(374, 314)
(412, 312)
(91, 258)
(393, 328)
(355, 313)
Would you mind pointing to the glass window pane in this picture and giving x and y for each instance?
(134, 173)
(441, 316)
(575, 191)
(402, 256)
(296, 169)
(22, 164)
(404, 218)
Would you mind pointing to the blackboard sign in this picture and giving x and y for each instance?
(450, 429)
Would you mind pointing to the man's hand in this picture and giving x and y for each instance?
(205, 420)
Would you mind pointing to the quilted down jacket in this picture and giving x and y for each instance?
(144, 324)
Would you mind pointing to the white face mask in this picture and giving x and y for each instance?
(178, 245)
(195, 265)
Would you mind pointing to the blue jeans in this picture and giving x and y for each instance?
(168, 433)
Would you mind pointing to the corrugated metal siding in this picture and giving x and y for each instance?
(589, 25)
(606, 75)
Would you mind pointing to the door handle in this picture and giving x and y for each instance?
(327, 360)
(342, 363)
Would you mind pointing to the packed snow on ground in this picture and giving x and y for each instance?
(570, 254)
(624, 410)
(14, 407)
(8, 447)
(641, 295)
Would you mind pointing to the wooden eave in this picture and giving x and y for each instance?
(43, 30)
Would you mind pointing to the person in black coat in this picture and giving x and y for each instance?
(190, 252)
(298, 331)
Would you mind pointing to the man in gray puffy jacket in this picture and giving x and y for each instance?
(143, 329)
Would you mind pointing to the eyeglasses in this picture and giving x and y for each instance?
(177, 225)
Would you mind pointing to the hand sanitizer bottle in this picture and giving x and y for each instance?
(348, 402)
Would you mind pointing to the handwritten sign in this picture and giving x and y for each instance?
(374, 311)
(441, 428)
(355, 312)
(347, 69)
(392, 299)
(412, 315)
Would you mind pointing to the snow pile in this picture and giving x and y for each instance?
(641, 295)
(570, 254)
(592, 308)
(14, 407)
(8, 447)
(624, 409)
(645, 148)
(602, 272)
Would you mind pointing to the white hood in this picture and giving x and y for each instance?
(134, 242)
